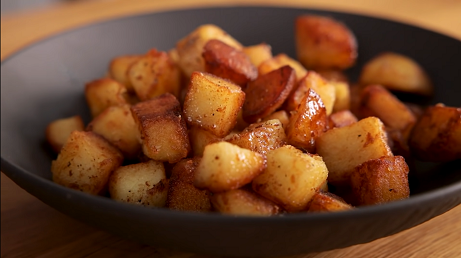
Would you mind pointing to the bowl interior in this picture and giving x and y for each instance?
(45, 81)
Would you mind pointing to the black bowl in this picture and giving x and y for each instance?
(45, 81)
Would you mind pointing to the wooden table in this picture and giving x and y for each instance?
(30, 228)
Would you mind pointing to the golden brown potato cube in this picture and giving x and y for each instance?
(58, 131)
(118, 69)
(342, 118)
(182, 194)
(327, 202)
(436, 136)
(260, 137)
(142, 183)
(85, 163)
(155, 74)
(267, 93)
(190, 47)
(103, 93)
(281, 60)
(243, 202)
(213, 103)
(380, 180)
(199, 138)
(291, 178)
(324, 43)
(258, 53)
(376, 100)
(314, 81)
(225, 166)
(164, 135)
(307, 122)
(116, 124)
(346, 147)
(396, 72)
(228, 62)
(342, 96)
(281, 115)
(333, 75)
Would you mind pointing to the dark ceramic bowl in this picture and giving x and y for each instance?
(45, 81)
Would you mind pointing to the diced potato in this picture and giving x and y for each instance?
(58, 131)
(375, 100)
(281, 115)
(199, 138)
(380, 180)
(323, 88)
(291, 178)
(260, 137)
(396, 72)
(155, 74)
(267, 93)
(436, 136)
(324, 43)
(142, 183)
(346, 147)
(116, 124)
(103, 93)
(182, 194)
(342, 118)
(225, 166)
(328, 202)
(190, 47)
(228, 62)
(258, 53)
(243, 202)
(342, 96)
(85, 163)
(307, 122)
(281, 60)
(213, 103)
(333, 75)
(164, 135)
(118, 69)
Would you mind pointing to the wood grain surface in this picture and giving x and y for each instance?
(30, 228)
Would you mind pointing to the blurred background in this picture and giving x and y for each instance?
(9, 6)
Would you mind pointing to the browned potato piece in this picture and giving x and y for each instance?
(346, 147)
(199, 138)
(291, 178)
(260, 137)
(333, 75)
(281, 115)
(281, 60)
(142, 183)
(436, 136)
(85, 163)
(396, 72)
(155, 74)
(182, 194)
(342, 96)
(342, 118)
(375, 100)
(228, 62)
(58, 131)
(164, 135)
(325, 201)
(118, 69)
(190, 47)
(380, 180)
(314, 81)
(213, 103)
(225, 166)
(267, 93)
(324, 43)
(307, 122)
(116, 124)
(258, 53)
(103, 93)
(243, 202)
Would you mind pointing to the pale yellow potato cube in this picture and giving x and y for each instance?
(118, 69)
(104, 93)
(58, 131)
(342, 96)
(258, 53)
(282, 60)
(199, 138)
